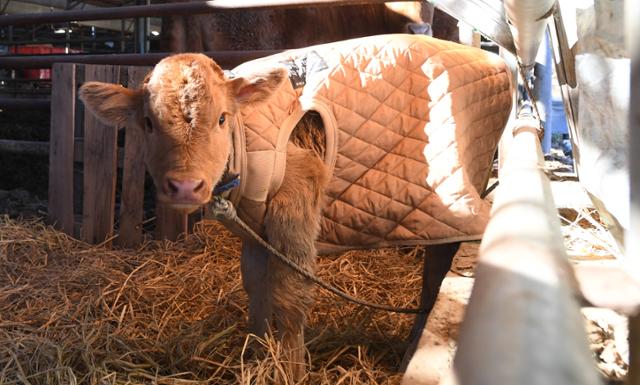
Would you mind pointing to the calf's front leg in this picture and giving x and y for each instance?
(292, 226)
(254, 266)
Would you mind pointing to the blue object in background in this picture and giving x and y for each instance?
(558, 118)
(550, 106)
(559, 125)
(542, 90)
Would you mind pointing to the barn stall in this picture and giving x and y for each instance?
(145, 314)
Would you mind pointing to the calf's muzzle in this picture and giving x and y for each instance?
(181, 191)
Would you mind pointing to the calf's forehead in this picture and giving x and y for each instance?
(185, 86)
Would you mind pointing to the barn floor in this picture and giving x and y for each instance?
(174, 313)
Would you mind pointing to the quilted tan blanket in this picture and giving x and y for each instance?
(412, 124)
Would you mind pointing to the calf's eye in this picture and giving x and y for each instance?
(221, 120)
(148, 126)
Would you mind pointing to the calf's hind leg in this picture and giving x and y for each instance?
(437, 262)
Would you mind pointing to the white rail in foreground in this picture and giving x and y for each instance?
(523, 324)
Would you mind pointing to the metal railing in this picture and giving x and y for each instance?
(173, 9)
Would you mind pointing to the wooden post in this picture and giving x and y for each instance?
(100, 157)
(63, 104)
(132, 198)
(170, 223)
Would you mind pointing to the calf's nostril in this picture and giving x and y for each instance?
(173, 186)
(199, 186)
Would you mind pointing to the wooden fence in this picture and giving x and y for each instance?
(78, 137)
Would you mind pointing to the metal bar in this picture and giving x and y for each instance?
(139, 32)
(24, 104)
(542, 90)
(147, 31)
(523, 321)
(171, 9)
(62, 40)
(19, 7)
(223, 58)
(24, 147)
(528, 22)
(17, 81)
(18, 93)
(487, 16)
(30, 147)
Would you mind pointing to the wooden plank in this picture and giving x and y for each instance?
(63, 102)
(132, 198)
(170, 223)
(100, 145)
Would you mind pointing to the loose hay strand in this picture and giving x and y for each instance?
(174, 313)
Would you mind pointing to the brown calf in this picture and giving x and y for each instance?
(183, 108)
(187, 109)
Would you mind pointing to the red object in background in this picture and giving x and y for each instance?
(38, 49)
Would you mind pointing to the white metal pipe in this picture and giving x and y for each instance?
(523, 324)
(528, 21)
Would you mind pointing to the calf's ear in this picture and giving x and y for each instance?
(113, 104)
(257, 87)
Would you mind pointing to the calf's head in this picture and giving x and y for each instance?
(183, 109)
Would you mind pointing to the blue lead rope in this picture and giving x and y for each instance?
(233, 183)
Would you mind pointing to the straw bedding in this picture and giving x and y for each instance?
(174, 313)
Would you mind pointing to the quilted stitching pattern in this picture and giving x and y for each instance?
(419, 120)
